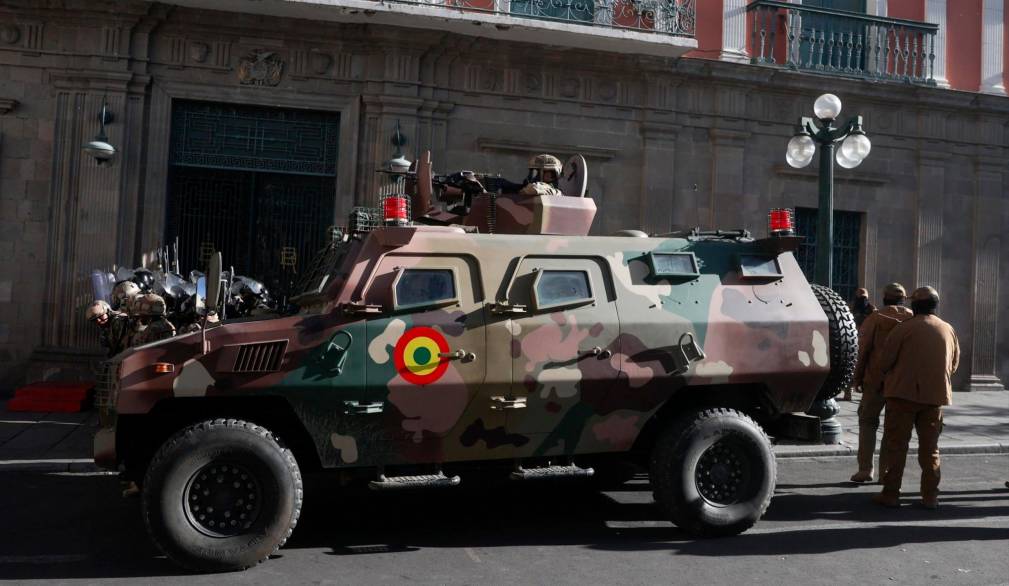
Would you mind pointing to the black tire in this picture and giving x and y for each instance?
(705, 496)
(252, 480)
(843, 343)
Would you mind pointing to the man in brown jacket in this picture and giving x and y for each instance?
(918, 360)
(872, 336)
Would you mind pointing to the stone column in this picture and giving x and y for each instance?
(987, 244)
(991, 48)
(727, 206)
(935, 13)
(876, 7)
(734, 31)
(928, 228)
(87, 230)
(659, 148)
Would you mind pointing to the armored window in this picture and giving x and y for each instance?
(759, 267)
(557, 289)
(673, 264)
(424, 288)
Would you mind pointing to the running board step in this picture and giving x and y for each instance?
(551, 472)
(438, 480)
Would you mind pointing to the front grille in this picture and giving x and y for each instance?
(107, 385)
(264, 357)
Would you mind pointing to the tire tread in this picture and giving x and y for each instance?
(206, 427)
(843, 342)
(664, 466)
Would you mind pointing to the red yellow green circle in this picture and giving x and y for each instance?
(416, 355)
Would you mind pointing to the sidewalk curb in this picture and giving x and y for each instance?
(841, 451)
(48, 466)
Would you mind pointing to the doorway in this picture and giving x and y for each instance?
(256, 183)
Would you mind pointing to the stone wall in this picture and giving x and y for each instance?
(671, 144)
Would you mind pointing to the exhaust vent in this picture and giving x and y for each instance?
(261, 357)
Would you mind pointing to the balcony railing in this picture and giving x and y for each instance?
(672, 17)
(840, 42)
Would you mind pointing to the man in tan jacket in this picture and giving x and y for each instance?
(919, 357)
(872, 336)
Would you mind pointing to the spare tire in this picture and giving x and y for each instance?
(843, 340)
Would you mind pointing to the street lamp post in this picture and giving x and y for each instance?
(854, 147)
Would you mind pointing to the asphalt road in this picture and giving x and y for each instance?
(819, 529)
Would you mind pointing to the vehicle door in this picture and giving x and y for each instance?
(565, 348)
(427, 348)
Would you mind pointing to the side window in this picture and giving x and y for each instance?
(425, 288)
(561, 289)
(759, 267)
(673, 264)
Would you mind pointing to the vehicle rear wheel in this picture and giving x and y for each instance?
(713, 472)
(221, 495)
(843, 343)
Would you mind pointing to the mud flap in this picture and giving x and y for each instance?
(797, 426)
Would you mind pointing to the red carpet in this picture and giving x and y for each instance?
(51, 397)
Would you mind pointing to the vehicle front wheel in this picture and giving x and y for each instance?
(221, 495)
(713, 472)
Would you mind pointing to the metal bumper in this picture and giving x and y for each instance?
(105, 448)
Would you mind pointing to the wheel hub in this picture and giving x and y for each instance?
(222, 499)
(721, 473)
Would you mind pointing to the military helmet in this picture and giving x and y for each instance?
(145, 279)
(894, 291)
(122, 292)
(545, 162)
(148, 305)
(924, 294)
(97, 309)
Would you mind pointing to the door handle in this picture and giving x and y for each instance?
(459, 354)
(597, 352)
(342, 351)
(502, 403)
(362, 408)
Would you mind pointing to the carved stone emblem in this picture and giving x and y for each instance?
(533, 83)
(198, 52)
(9, 34)
(569, 87)
(607, 91)
(490, 80)
(321, 62)
(260, 67)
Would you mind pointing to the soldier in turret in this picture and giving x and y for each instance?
(115, 326)
(544, 172)
(150, 323)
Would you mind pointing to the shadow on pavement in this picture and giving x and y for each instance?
(100, 535)
(73, 526)
(817, 541)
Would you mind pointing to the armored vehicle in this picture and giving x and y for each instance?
(431, 347)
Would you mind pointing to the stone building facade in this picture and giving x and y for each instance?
(672, 142)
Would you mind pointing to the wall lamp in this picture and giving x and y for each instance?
(99, 148)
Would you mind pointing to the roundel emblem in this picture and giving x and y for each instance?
(416, 356)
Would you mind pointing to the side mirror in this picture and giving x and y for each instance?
(214, 282)
(201, 296)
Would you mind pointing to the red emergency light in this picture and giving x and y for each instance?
(781, 222)
(395, 211)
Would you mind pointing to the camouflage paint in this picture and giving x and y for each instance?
(769, 331)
